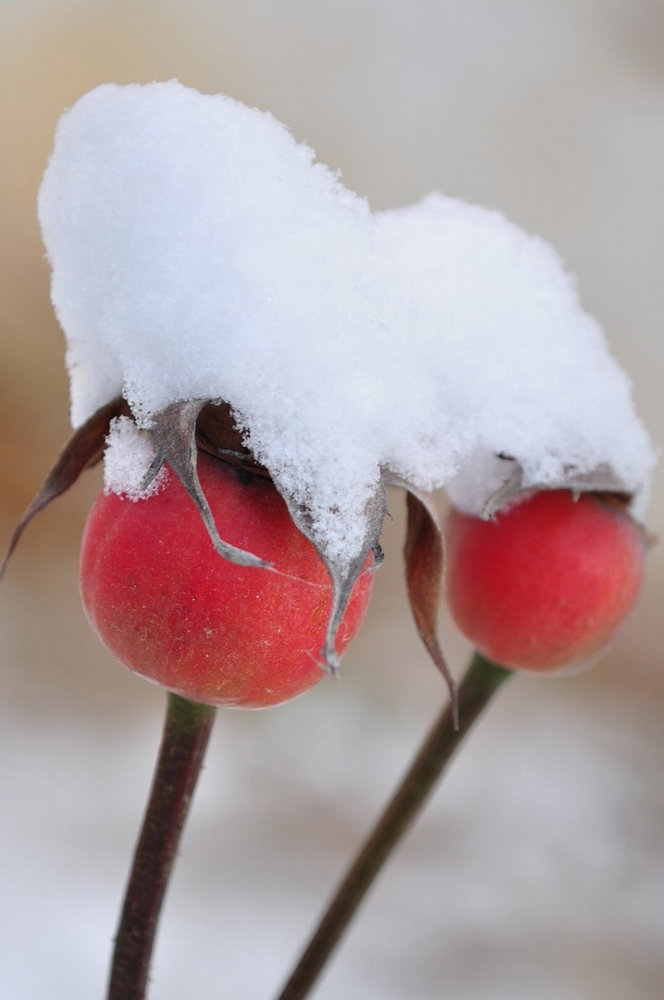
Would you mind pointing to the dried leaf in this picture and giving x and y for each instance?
(344, 577)
(217, 434)
(599, 480)
(173, 436)
(83, 450)
(424, 553)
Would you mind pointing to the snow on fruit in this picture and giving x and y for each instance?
(220, 289)
(166, 604)
(546, 582)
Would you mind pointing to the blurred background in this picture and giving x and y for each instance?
(537, 873)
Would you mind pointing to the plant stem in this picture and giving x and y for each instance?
(186, 733)
(476, 690)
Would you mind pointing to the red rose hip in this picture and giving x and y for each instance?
(545, 583)
(168, 606)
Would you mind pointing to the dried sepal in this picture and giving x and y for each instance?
(84, 449)
(600, 480)
(173, 437)
(343, 575)
(512, 486)
(424, 554)
(218, 435)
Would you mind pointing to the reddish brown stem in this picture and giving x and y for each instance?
(475, 692)
(186, 733)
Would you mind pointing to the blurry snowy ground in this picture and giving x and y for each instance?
(536, 874)
(538, 871)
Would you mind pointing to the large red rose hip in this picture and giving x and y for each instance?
(167, 605)
(545, 583)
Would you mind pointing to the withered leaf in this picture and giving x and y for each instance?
(344, 576)
(83, 450)
(424, 554)
(173, 436)
(217, 434)
(599, 480)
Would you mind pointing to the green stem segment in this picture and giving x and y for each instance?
(476, 690)
(186, 733)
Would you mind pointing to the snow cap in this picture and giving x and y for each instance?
(199, 252)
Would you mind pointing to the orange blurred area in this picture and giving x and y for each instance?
(539, 872)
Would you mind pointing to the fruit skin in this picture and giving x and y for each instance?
(172, 609)
(545, 583)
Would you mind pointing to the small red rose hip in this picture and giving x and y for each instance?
(545, 583)
(168, 606)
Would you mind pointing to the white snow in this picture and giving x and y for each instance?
(127, 458)
(198, 251)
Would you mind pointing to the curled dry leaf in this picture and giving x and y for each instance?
(424, 554)
(84, 449)
(173, 437)
(600, 480)
(343, 575)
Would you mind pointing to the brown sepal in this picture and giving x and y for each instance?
(343, 576)
(602, 479)
(173, 436)
(218, 435)
(83, 450)
(424, 553)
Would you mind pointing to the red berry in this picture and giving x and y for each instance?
(167, 605)
(545, 583)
